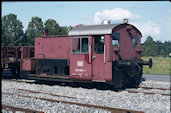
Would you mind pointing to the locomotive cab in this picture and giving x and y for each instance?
(112, 54)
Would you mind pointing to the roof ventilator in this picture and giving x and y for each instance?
(106, 21)
(125, 20)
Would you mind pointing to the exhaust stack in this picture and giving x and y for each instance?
(45, 33)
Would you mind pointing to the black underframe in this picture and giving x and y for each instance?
(58, 67)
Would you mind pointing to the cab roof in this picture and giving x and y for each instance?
(94, 29)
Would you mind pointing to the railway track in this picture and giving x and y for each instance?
(111, 109)
(8, 108)
(130, 91)
(19, 80)
(147, 93)
(46, 93)
(78, 100)
(155, 88)
(146, 90)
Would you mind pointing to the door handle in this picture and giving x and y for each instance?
(93, 57)
(89, 53)
(104, 53)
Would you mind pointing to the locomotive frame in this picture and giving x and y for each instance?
(109, 53)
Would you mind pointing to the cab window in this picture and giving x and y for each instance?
(115, 39)
(99, 44)
(135, 41)
(79, 45)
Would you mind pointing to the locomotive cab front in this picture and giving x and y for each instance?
(127, 64)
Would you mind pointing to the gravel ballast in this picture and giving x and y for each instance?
(134, 101)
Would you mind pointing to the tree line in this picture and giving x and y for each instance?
(156, 48)
(12, 34)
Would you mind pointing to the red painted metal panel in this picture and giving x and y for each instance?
(126, 46)
(108, 58)
(127, 50)
(55, 47)
(28, 64)
(79, 67)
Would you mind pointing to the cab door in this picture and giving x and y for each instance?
(80, 64)
(98, 58)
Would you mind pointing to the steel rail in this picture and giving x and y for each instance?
(111, 109)
(19, 109)
(46, 93)
(154, 88)
(19, 81)
(148, 93)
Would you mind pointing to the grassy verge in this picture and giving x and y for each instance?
(161, 65)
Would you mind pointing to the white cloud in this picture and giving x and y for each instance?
(114, 14)
(85, 16)
(147, 28)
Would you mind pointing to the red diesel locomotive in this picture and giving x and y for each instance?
(109, 53)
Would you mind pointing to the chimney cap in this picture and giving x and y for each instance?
(44, 32)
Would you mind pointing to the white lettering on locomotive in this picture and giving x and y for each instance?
(80, 63)
(80, 70)
(74, 74)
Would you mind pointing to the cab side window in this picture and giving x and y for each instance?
(115, 39)
(79, 45)
(135, 40)
(84, 45)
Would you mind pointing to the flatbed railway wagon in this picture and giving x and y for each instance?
(12, 55)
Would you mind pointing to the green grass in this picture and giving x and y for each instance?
(161, 65)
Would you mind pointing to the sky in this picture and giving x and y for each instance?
(150, 17)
